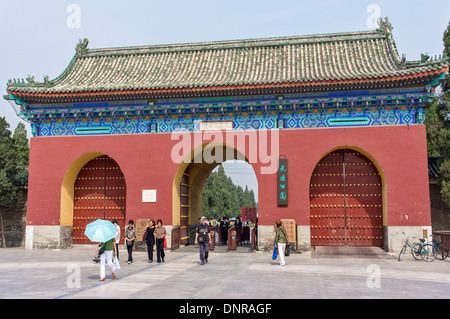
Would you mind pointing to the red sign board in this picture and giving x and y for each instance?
(249, 214)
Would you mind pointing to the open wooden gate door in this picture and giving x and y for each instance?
(99, 193)
(184, 209)
(346, 201)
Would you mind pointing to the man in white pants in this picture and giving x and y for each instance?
(108, 255)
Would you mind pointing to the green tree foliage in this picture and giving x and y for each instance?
(222, 198)
(21, 145)
(437, 120)
(8, 166)
(13, 158)
(447, 41)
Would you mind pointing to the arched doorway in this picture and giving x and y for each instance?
(99, 193)
(346, 201)
(189, 182)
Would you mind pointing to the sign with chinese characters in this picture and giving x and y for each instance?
(282, 182)
(149, 196)
(291, 229)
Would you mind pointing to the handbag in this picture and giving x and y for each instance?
(116, 265)
(101, 250)
(144, 238)
(287, 251)
(275, 253)
(165, 242)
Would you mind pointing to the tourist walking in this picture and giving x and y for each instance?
(160, 235)
(150, 239)
(130, 236)
(280, 241)
(202, 239)
(107, 256)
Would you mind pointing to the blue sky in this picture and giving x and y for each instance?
(38, 40)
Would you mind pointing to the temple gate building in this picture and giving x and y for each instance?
(332, 125)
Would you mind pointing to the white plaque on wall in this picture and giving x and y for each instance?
(149, 196)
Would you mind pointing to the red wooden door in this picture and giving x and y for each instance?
(99, 193)
(346, 202)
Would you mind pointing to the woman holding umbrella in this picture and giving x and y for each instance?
(103, 231)
(108, 255)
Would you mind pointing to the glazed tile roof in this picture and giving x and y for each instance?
(360, 56)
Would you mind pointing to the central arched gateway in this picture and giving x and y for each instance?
(189, 181)
(346, 201)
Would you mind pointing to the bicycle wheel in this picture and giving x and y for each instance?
(441, 251)
(428, 253)
(402, 253)
(416, 251)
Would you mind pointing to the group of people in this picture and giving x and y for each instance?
(203, 237)
(155, 234)
(225, 225)
(222, 226)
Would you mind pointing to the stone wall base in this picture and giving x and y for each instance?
(48, 237)
(57, 237)
(393, 237)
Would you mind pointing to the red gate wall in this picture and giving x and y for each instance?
(399, 152)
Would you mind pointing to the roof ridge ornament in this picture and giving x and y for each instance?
(385, 27)
(403, 61)
(424, 57)
(30, 79)
(81, 47)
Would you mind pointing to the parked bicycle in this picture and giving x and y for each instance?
(427, 251)
(420, 251)
(440, 250)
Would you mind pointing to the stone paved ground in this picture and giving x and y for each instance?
(50, 274)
